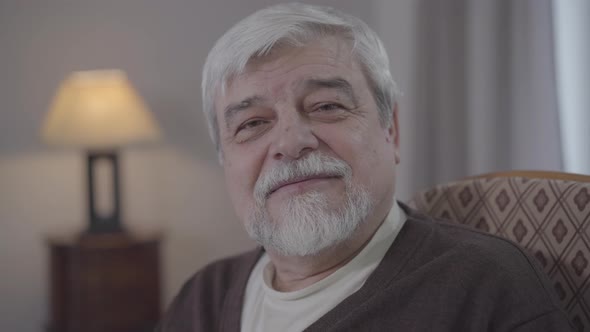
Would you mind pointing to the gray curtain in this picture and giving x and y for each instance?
(484, 95)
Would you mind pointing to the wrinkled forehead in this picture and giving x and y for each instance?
(332, 55)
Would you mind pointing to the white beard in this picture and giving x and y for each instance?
(307, 223)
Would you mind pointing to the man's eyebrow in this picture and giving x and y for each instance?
(233, 109)
(337, 83)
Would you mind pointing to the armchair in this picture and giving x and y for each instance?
(546, 213)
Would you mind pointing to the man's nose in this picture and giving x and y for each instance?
(294, 138)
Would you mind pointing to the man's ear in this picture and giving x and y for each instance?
(393, 133)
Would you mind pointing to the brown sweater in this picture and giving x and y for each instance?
(435, 277)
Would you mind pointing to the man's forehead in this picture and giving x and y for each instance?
(286, 74)
(245, 89)
(284, 71)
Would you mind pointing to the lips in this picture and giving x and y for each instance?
(285, 183)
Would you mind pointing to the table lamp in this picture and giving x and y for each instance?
(99, 111)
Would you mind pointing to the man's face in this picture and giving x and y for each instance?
(296, 110)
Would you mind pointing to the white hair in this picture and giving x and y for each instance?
(294, 24)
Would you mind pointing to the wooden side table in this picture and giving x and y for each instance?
(105, 282)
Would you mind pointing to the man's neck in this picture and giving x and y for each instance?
(297, 272)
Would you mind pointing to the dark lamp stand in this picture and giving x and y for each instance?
(110, 223)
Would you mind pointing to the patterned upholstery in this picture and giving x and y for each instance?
(550, 218)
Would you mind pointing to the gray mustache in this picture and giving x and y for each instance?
(314, 164)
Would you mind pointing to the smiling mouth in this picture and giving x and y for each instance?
(300, 180)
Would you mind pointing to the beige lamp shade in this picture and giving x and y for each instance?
(98, 110)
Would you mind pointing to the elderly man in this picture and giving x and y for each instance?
(301, 107)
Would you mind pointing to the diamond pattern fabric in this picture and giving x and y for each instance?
(549, 218)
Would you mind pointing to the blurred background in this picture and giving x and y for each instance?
(487, 86)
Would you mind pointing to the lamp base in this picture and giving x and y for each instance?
(105, 226)
(110, 223)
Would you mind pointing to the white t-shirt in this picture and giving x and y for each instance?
(266, 309)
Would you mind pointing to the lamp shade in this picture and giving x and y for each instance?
(98, 110)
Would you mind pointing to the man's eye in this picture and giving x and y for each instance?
(327, 107)
(251, 124)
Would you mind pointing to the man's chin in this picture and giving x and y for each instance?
(307, 224)
(303, 240)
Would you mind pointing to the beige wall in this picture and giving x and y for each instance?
(175, 185)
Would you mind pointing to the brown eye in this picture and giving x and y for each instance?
(328, 107)
(251, 129)
(251, 124)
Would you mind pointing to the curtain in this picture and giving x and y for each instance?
(484, 93)
(572, 24)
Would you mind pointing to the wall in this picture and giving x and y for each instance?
(176, 185)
